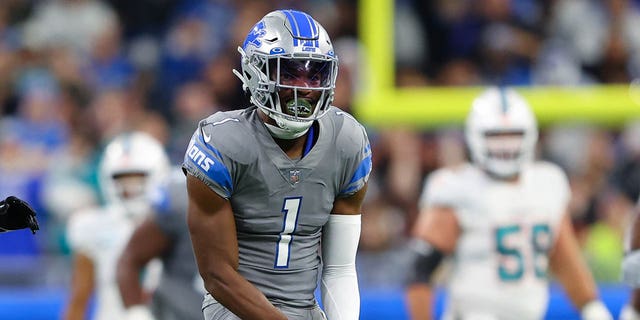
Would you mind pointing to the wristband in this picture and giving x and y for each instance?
(631, 269)
(595, 310)
(629, 313)
(138, 312)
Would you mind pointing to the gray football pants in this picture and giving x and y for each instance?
(213, 310)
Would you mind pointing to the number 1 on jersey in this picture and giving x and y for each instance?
(291, 209)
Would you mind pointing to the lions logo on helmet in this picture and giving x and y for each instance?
(132, 164)
(501, 132)
(279, 47)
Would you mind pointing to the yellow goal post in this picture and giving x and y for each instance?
(380, 104)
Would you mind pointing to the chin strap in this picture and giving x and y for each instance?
(284, 134)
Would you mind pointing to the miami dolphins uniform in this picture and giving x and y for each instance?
(101, 234)
(499, 267)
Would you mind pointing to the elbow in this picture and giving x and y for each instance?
(218, 280)
(128, 268)
(124, 269)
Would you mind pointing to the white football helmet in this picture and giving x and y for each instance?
(131, 166)
(501, 132)
(283, 43)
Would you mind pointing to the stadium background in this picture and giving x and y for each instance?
(75, 72)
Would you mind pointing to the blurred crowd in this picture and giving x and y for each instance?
(74, 73)
(514, 43)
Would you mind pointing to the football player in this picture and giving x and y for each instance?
(16, 214)
(631, 270)
(267, 184)
(132, 164)
(503, 219)
(163, 235)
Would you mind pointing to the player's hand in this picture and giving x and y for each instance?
(595, 310)
(628, 313)
(16, 214)
(138, 312)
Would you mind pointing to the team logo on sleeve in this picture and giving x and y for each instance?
(200, 158)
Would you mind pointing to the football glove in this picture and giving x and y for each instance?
(629, 313)
(138, 312)
(595, 310)
(16, 214)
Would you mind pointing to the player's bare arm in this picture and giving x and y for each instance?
(350, 205)
(572, 272)
(213, 234)
(146, 243)
(435, 235)
(82, 285)
(630, 271)
(635, 247)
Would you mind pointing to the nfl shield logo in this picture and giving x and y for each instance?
(294, 176)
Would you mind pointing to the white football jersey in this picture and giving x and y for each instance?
(101, 234)
(499, 267)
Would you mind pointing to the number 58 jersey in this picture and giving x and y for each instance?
(508, 229)
(280, 205)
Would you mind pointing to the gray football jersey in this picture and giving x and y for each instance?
(280, 205)
(180, 292)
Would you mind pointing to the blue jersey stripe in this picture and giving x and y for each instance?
(363, 169)
(208, 161)
(361, 173)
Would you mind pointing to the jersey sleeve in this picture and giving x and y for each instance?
(358, 161)
(170, 205)
(558, 189)
(203, 160)
(440, 190)
(80, 231)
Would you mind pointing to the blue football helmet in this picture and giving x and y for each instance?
(288, 49)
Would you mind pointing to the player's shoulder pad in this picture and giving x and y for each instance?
(548, 171)
(229, 133)
(349, 132)
(450, 176)
(83, 225)
(448, 186)
(171, 195)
